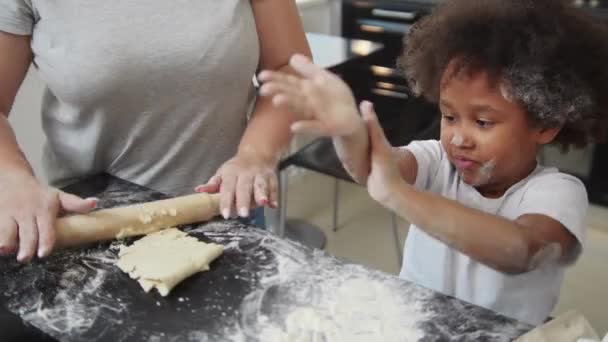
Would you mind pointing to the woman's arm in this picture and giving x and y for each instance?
(27, 208)
(250, 175)
(281, 35)
(15, 58)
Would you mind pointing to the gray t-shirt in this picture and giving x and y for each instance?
(155, 92)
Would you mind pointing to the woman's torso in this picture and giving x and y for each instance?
(155, 92)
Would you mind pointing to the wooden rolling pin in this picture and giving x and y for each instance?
(138, 219)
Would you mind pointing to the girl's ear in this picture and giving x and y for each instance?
(546, 135)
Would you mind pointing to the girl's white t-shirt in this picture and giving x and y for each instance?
(529, 297)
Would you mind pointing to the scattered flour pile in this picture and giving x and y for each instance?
(312, 297)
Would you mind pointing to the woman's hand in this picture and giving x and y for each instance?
(323, 103)
(28, 210)
(247, 180)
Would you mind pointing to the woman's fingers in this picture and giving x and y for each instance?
(9, 236)
(212, 186)
(273, 186)
(244, 192)
(46, 232)
(28, 238)
(73, 203)
(227, 194)
(260, 189)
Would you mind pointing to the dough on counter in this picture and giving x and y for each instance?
(164, 258)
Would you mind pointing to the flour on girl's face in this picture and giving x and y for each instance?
(484, 174)
(506, 93)
(457, 140)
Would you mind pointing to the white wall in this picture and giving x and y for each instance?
(26, 120)
(318, 16)
(321, 16)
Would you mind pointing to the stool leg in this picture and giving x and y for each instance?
(336, 191)
(396, 236)
(283, 184)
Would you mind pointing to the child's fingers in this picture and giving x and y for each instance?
(300, 95)
(308, 127)
(267, 76)
(278, 79)
(313, 90)
(273, 76)
(277, 76)
(305, 67)
(295, 104)
(273, 88)
(286, 94)
(376, 134)
(287, 80)
(367, 112)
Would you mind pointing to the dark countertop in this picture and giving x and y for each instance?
(78, 295)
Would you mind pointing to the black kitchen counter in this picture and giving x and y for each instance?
(252, 290)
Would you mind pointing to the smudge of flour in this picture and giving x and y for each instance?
(457, 140)
(484, 174)
(74, 306)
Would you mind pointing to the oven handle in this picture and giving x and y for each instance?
(378, 12)
(390, 93)
(380, 26)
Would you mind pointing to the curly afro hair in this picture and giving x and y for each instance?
(550, 56)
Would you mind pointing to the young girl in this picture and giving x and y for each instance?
(489, 224)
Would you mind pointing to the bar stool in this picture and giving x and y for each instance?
(320, 156)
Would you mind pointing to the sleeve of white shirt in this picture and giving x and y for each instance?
(561, 197)
(428, 154)
(16, 17)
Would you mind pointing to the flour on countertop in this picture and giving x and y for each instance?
(76, 304)
(295, 295)
(313, 297)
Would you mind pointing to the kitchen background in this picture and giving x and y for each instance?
(364, 232)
